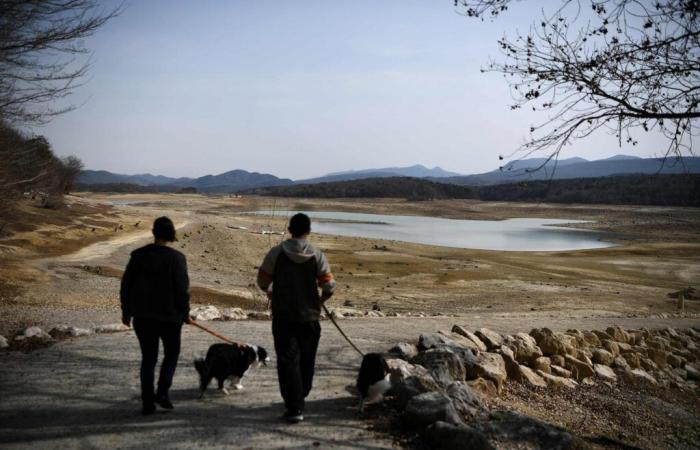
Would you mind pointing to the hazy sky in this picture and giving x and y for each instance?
(299, 89)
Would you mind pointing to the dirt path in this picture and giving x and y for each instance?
(83, 393)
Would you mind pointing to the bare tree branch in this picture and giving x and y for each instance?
(626, 66)
(42, 55)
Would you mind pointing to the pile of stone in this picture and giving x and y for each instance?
(438, 384)
(210, 312)
(36, 337)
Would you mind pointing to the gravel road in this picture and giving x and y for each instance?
(83, 393)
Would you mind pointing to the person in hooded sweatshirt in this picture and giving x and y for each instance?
(155, 294)
(291, 275)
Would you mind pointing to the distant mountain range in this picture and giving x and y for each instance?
(232, 181)
(515, 171)
(541, 169)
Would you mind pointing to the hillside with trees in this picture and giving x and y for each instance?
(392, 187)
(666, 190)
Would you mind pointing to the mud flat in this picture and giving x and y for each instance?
(66, 264)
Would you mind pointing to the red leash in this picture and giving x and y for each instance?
(214, 333)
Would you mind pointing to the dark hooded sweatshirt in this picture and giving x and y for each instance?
(296, 270)
(155, 285)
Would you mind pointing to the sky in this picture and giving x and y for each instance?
(300, 89)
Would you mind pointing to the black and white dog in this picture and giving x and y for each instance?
(373, 379)
(226, 361)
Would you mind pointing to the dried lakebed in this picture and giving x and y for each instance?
(518, 234)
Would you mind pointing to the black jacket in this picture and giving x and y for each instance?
(155, 285)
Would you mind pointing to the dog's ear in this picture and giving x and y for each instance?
(252, 355)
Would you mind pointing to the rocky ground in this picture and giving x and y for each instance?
(61, 272)
(83, 392)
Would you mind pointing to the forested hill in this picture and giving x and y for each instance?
(390, 187)
(669, 190)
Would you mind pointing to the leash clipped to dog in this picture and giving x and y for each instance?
(328, 314)
(214, 333)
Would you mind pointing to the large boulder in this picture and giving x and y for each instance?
(579, 369)
(557, 360)
(604, 372)
(446, 436)
(560, 371)
(552, 343)
(408, 380)
(557, 382)
(542, 363)
(492, 339)
(524, 347)
(591, 338)
(65, 331)
(602, 335)
(203, 313)
(478, 343)
(111, 328)
(490, 366)
(401, 369)
(233, 314)
(410, 387)
(35, 333)
(404, 350)
(638, 376)
(3, 342)
(611, 346)
(444, 365)
(676, 361)
(527, 376)
(660, 357)
(601, 356)
(632, 360)
(692, 373)
(647, 364)
(621, 363)
(430, 407)
(618, 334)
(435, 340)
(462, 341)
(486, 388)
(465, 400)
(659, 342)
(260, 315)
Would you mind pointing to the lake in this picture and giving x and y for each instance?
(526, 234)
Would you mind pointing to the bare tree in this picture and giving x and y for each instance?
(628, 66)
(42, 55)
(70, 168)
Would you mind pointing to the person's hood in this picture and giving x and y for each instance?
(298, 250)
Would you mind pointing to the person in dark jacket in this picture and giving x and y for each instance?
(291, 275)
(155, 294)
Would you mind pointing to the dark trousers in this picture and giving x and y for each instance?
(149, 332)
(295, 344)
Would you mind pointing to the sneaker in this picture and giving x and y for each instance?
(164, 402)
(293, 416)
(148, 409)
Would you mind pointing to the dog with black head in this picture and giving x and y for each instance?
(228, 362)
(373, 379)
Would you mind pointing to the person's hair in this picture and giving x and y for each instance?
(299, 225)
(163, 229)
